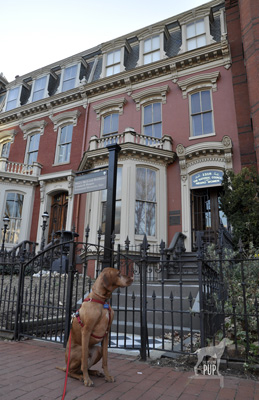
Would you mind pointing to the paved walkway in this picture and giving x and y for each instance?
(27, 371)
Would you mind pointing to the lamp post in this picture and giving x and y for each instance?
(6, 223)
(45, 217)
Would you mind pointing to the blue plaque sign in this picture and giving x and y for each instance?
(207, 178)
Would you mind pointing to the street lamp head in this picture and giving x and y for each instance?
(6, 220)
(45, 216)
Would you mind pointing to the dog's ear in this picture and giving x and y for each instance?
(107, 280)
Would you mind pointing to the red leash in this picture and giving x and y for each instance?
(68, 360)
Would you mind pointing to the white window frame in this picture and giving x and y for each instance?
(153, 123)
(62, 77)
(189, 18)
(6, 137)
(58, 146)
(60, 121)
(17, 103)
(45, 90)
(146, 201)
(102, 127)
(29, 151)
(35, 127)
(202, 113)
(16, 192)
(159, 30)
(198, 83)
(113, 106)
(120, 45)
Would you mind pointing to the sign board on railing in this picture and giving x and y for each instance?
(207, 178)
(91, 182)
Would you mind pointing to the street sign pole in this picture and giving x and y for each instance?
(113, 149)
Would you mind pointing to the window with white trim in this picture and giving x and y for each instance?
(152, 120)
(117, 204)
(39, 87)
(145, 207)
(195, 34)
(64, 144)
(12, 99)
(201, 113)
(151, 52)
(69, 78)
(33, 148)
(110, 124)
(13, 208)
(5, 149)
(113, 62)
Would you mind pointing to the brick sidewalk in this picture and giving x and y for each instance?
(27, 371)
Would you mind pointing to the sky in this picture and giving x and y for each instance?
(36, 33)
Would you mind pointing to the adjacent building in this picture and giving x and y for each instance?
(166, 94)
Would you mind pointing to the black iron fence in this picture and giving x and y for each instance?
(179, 301)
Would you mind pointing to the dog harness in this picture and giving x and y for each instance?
(105, 305)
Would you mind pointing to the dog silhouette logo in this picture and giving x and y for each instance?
(215, 352)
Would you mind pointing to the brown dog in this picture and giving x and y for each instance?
(91, 325)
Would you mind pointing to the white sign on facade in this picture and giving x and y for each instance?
(90, 182)
(207, 178)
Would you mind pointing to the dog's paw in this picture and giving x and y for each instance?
(110, 378)
(88, 382)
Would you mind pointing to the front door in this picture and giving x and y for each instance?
(205, 213)
(58, 214)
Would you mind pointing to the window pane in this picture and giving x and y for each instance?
(155, 43)
(158, 130)
(115, 121)
(151, 185)
(195, 103)
(205, 100)
(67, 85)
(156, 56)
(150, 218)
(148, 114)
(141, 184)
(70, 72)
(196, 125)
(201, 41)
(34, 142)
(117, 57)
(207, 123)
(147, 45)
(116, 68)
(106, 124)
(13, 94)
(148, 130)
(117, 217)
(191, 44)
(156, 112)
(190, 28)
(200, 27)
(40, 83)
(110, 58)
(140, 218)
(109, 71)
(147, 59)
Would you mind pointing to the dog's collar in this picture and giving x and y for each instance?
(99, 295)
(95, 301)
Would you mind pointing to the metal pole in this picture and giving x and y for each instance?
(113, 149)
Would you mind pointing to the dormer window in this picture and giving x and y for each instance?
(151, 49)
(195, 34)
(152, 44)
(69, 78)
(39, 88)
(113, 62)
(114, 55)
(13, 98)
(196, 29)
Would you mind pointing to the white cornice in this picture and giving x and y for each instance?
(110, 105)
(65, 117)
(157, 93)
(199, 81)
(35, 126)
